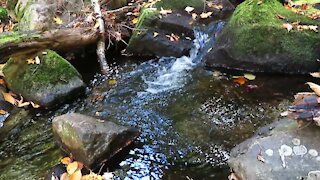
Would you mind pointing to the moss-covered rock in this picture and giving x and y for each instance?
(3, 14)
(47, 83)
(255, 40)
(179, 4)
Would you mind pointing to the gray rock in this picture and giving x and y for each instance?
(244, 157)
(91, 140)
(48, 83)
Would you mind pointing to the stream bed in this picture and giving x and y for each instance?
(190, 118)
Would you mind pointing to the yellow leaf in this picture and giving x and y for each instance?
(72, 167)
(30, 61)
(57, 20)
(66, 161)
(76, 175)
(314, 87)
(205, 15)
(250, 76)
(134, 21)
(3, 112)
(112, 82)
(8, 97)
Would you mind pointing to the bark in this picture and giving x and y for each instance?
(59, 40)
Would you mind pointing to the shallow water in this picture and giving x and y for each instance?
(189, 118)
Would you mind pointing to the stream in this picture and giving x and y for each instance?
(190, 118)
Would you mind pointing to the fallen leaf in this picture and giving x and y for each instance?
(30, 61)
(314, 87)
(3, 112)
(241, 80)
(112, 82)
(64, 176)
(173, 37)
(57, 20)
(72, 167)
(165, 12)
(205, 15)
(233, 176)
(76, 175)
(304, 6)
(37, 60)
(20, 103)
(194, 16)
(155, 34)
(315, 74)
(287, 26)
(91, 176)
(250, 76)
(8, 97)
(279, 16)
(260, 158)
(189, 9)
(2, 82)
(66, 160)
(107, 176)
(134, 21)
(34, 105)
(211, 5)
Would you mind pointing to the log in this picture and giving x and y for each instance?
(21, 44)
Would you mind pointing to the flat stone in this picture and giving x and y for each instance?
(91, 140)
(243, 159)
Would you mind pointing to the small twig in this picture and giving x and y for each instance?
(120, 9)
(101, 46)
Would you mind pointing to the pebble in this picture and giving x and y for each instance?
(313, 152)
(269, 152)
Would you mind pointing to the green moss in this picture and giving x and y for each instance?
(30, 78)
(256, 30)
(12, 37)
(3, 14)
(144, 22)
(178, 4)
(11, 4)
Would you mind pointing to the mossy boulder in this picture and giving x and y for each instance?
(3, 14)
(47, 83)
(152, 30)
(91, 140)
(255, 40)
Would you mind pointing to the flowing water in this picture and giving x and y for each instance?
(189, 117)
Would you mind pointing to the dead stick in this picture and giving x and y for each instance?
(101, 46)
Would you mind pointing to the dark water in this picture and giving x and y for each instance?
(189, 118)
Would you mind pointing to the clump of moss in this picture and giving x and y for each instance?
(255, 29)
(30, 78)
(3, 14)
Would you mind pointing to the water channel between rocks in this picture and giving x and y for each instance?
(189, 118)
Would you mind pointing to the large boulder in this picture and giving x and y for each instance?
(51, 81)
(91, 140)
(154, 29)
(279, 151)
(256, 40)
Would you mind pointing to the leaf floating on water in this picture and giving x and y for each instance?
(72, 167)
(194, 16)
(189, 9)
(250, 77)
(155, 34)
(165, 12)
(92, 175)
(314, 87)
(205, 15)
(34, 105)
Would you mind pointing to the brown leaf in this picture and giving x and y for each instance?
(240, 80)
(314, 87)
(3, 112)
(72, 167)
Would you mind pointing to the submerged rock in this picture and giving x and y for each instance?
(51, 81)
(256, 40)
(171, 34)
(287, 160)
(91, 140)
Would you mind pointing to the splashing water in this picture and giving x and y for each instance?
(175, 75)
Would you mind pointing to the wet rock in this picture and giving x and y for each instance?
(283, 157)
(152, 37)
(51, 81)
(255, 40)
(91, 140)
(8, 122)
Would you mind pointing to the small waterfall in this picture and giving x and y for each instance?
(175, 74)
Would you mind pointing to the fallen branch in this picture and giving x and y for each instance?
(24, 43)
(101, 46)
